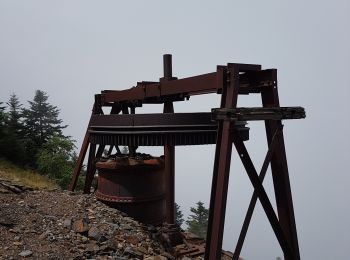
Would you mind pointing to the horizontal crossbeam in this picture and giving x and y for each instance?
(251, 80)
(258, 113)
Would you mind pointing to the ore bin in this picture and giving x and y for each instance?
(133, 186)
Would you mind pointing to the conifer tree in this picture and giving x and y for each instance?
(198, 221)
(14, 114)
(13, 145)
(41, 119)
(2, 116)
(178, 215)
(40, 122)
(3, 130)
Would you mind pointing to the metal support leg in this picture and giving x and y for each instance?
(169, 163)
(90, 168)
(169, 153)
(90, 173)
(230, 79)
(280, 173)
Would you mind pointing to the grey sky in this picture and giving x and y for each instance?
(74, 49)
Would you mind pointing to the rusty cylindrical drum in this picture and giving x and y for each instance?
(135, 187)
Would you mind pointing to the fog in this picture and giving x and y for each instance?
(74, 49)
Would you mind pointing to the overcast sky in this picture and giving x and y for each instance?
(74, 49)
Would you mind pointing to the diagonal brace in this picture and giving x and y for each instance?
(262, 195)
(254, 198)
(91, 169)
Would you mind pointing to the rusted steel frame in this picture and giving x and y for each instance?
(258, 113)
(83, 149)
(96, 109)
(222, 81)
(199, 119)
(110, 149)
(205, 83)
(90, 168)
(262, 195)
(79, 163)
(217, 209)
(132, 149)
(173, 88)
(254, 81)
(280, 173)
(90, 173)
(254, 198)
(201, 84)
(116, 109)
(169, 150)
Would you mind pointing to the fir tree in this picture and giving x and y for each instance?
(41, 119)
(40, 122)
(198, 221)
(14, 114)
(2, 116)
(178, 215)
(13, 145)
(3, 130)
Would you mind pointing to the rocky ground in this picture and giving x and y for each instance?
(56, 224)
(41, 224)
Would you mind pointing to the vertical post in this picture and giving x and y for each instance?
(90, 168)
(279, 170)
(132, 148)
(169, 151)
(221, 167)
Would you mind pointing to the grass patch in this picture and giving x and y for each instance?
(29, 178)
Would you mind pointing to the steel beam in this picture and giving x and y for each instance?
(90, 168)
(169, 151)
(251, 81)
(280, 173)
(217, 209)
(258, 113)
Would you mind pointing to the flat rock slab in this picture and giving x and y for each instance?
(80, 225)
(25, 253)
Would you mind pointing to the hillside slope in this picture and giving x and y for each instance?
(28, 178)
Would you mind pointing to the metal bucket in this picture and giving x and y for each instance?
(134, 187)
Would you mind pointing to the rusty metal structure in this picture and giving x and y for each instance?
(225, 126)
